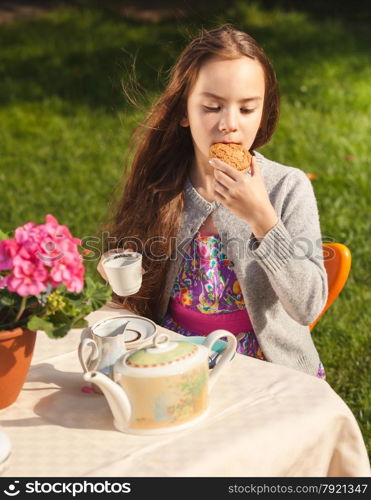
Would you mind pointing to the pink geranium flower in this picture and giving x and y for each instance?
(41, 255)
(39, 265)
(71, 274)
(8, 250)
(28, 278)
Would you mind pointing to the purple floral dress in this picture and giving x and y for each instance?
(207, 284)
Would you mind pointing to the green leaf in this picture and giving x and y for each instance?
(7, 301)
(59, 317)
(52, 331)
(81, 323)
(3, 235)
(60, 331)
(96, 294)
(36, 323)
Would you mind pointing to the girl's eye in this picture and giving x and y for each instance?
(210, 108)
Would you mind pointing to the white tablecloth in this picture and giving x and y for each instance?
(263, 420)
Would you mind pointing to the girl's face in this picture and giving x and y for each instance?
(225, 104)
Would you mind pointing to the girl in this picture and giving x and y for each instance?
(223, 248)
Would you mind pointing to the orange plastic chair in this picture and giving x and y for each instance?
(337, 260)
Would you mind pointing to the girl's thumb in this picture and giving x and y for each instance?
(255, 167)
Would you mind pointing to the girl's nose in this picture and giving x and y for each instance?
(228, 123)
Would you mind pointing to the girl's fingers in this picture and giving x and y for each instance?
(255, 167)
(219, 189)
(100, 267)
(223, 179)
(110, 252)
(101, 270)
(218, 186)
(225, 168)
(219, 197)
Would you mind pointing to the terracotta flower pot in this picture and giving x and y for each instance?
(16, 350)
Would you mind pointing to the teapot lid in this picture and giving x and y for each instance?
(161, 353)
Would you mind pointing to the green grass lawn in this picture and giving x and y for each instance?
(65, 126)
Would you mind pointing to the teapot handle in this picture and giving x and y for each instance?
(226, 355)
(94, 356)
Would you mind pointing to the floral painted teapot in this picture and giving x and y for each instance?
(164, 386)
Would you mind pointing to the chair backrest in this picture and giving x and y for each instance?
(337, 260)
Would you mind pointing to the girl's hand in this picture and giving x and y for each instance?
(245, 195)
(100, 268)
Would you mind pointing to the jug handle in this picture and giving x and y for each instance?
(226, 355)
(85, 344)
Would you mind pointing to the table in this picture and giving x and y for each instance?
(264, 420)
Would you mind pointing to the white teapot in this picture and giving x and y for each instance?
(164, 386)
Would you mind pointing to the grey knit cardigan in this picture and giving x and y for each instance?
(282, 276)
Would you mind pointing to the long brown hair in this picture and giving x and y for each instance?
(149, 211)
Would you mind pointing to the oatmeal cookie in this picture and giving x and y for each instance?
(234, 154)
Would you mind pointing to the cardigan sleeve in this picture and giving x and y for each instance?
(291, 252)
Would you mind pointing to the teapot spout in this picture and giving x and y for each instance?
(116, 398)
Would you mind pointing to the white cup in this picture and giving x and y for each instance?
(124, 272)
